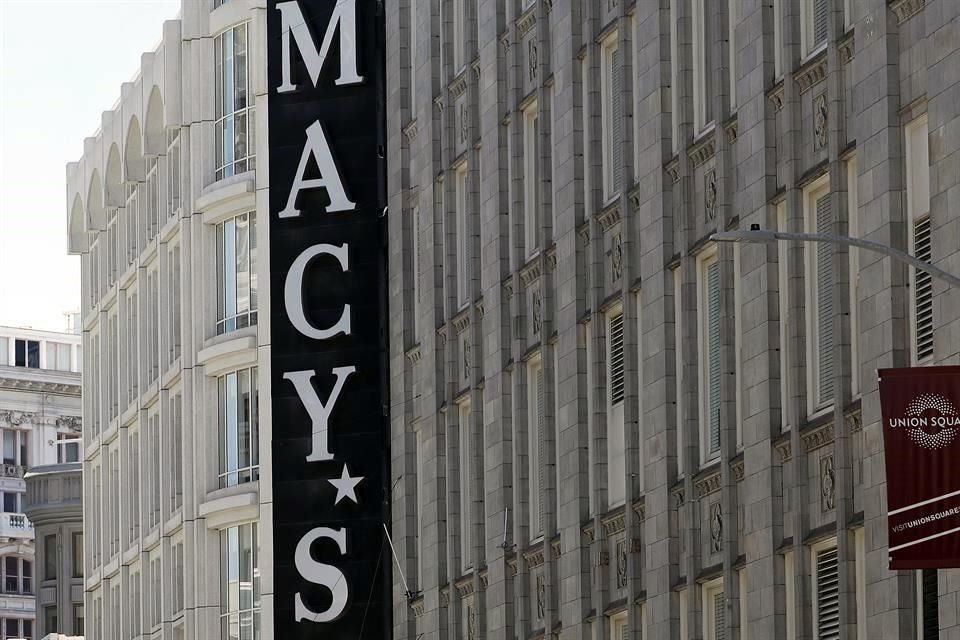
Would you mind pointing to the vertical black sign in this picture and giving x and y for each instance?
(327, 312)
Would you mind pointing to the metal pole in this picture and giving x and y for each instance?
(896, 254)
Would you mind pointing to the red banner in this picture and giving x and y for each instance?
(921, 436)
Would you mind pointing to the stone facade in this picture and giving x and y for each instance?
(752, 471)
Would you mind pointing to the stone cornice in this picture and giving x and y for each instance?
(609, 215)
(40, 386)
(775, 95)
(534, 557)
(906, 9)
(527, 21)
(531, 271)
(614, 523)
(812, 72)
(707, 484)
(703, 149)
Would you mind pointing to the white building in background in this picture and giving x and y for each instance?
(163, 209)
(40, 413)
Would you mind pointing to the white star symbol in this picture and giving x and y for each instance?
(346, 486)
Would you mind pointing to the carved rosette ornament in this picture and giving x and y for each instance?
(820, 121)
(616, 257)
(828, 484)
(541, 597)
(716, 528)
(710, 194)
(621, 564)
(533, 58)
(537, 312)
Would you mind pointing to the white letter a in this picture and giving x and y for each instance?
(329, 179)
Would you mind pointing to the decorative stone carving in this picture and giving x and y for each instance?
(16, 418)
(71, 423)
(820, 121)
(906, 9)
(828, 483)
(464, 125)
(710, 194)
(716, 528)
(616, 257)
(533, 59)
(466, 359)
(541, 597)
(471, 623)
(537, 312)
(621, 564)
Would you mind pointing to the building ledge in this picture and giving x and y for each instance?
(233, 505)
(221, 201)
(228, 355)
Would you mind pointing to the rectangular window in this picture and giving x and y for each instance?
(826, 593)
(50, 621)
(156, 590)
(4, 352)
(738, 345)
(918, 211)
(819, 256)
(616, 382)
(618, 627)
(173, 302)
(535, 435)
(239, 450)
(173, 172)
(703, 37)
(853, 229)
(611, 115)
(784, 308)
(814, 31)
(50, 557)
(463, 234)
(133, 331)
(176, 451)
(459, 28)
(234, 132)
(10, 502)
(134, 487)
(531, 182)
(237, 273)
(710, 365)
(178, 577)
(466, 497)
(27, 354)
(27, 576)
(412, 61)
(78, 619)
(683, 605)
(134, 608)
(860, 574)
(58, 356)
(239, 583)
(421, 471)
(592, 383)
(733, 17)
(151, 343)
(679, 364)
(152, 209)
(76, 552)
(744, 622)
(674, 77)
(714, 611)
(153, 426)
(130, 223)
(416, 270)
(68, 447)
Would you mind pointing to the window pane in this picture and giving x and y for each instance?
(20, 353)
(9, 502)
(9, 447)
(243, 423)
(243, 263)
(50, 557)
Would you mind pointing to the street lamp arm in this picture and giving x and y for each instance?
(896, 254)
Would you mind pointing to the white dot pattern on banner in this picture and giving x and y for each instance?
(936, 402)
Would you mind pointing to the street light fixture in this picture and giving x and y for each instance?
(760, 235)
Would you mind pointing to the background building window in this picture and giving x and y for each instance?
(173, 172)
(703, 37)
(826, 593)
(77, 554)
(68, 448)
(714, 611)
(616, 382)
(27, 354)
(918, 211)
(531, 182)
(611, 114)
(535, 435)
(710, 364)
(819, 256)
(239, 583)
(239, 459)
(237, 273)
(466, 493)
(234, 133)
(814, 30)
(50, 557)
(463, 234)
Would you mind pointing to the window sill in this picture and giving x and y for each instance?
(227, 198)
(233, 505)
(172, 374)
(170, 226)
(152, 540)
(229, 354)
(132, 552)
(174, 523)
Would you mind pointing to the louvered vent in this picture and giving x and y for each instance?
(616, 359)
(713, 354)
(923, 292)
(824, 278)
(828, 595)
(819, 22)
(719, 617)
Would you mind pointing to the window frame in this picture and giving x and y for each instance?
(226, 557)
(225, 120)
(465, 461)
(536, 427)
(616, 423)
(811, 195)
(707, 259)
(810, 47)
(462, 234)
(710, 591)
(612, 182)
(532, 218)
(241, 474)
(824, 546)
(241, 316)
(704, 119)
(916, 145)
